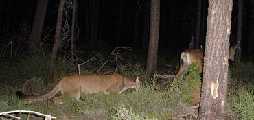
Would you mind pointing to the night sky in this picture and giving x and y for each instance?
(118, 21)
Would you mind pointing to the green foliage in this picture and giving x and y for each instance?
(241, 90)
(145, 103)
(124, 113)
(17, 71)
(243, 104)
(131, 70)
(190, 81)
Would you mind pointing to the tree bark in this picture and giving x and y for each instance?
(136, 27)
(95, 6)
(215, 73)
(146, 25)
(119, 23)
(57, 42)
(203, 23)
(239, 30)
(154, 36)
(198, 26)
(38, 23)
(73, 29)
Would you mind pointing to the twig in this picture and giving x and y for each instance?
(117, 54)
(164, 76)
(91, 59)
(102, 66)
(78, 69)
(116, 51)
(11, 48)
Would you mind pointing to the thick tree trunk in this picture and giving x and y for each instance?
(213, 97)
(154, 36)
(38, 23)
(57, 42)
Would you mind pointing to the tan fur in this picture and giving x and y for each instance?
(196, 56)
(232, 53)
(74, 86)
(188, 57)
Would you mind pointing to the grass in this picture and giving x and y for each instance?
(243, 105)
(145, 104)
(241, 90)
(149, 103)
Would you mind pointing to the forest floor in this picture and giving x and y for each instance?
(158, 98)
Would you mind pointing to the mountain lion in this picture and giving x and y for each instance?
(74, 86)
(196, 56)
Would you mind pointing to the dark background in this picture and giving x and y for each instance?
(116, 23)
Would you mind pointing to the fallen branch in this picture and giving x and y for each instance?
(7, 114)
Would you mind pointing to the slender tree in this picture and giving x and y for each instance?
(239, 29)
(154, 36)
(197, 37)
(94, 21)
(203, 22)
(120, 22)
(136, 23)
(57, 41)
(74, 16)
(146, 25)
(38, 22)
(215, 73)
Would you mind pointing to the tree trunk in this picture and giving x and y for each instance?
(119, 23)
(38, 22)
(146, 25)
(57, 42)
(239, 30)
(73, 29)
(213, 97)
(136, 28)
(154, 36)
(198, 25)
(203, 23)
(94, 23)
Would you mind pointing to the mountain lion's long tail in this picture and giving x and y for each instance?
(44, 97)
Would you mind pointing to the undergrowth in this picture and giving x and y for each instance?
(241, 90)
(145, 103)
(148, 103)
(243, 104)
(187, 84)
